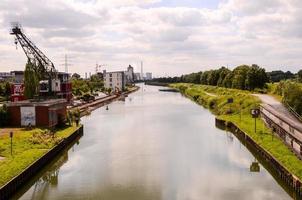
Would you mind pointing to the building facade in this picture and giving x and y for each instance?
(129, 74)
(18, 76)
(115, 80)
(6, 76)
(137, 77)
(148, 76)
(47, 113)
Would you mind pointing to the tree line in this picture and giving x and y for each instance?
(243, 77)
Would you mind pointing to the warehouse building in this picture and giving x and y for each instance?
(115, 80)
(44, 113)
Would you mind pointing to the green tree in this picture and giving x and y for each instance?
(255, 78)
(213, 77)
(79, 87)
(7, 90)
(4, 116)
(300, 75)
(292, 95)
(204, 78)
(239, 76)
(31, 81)
(223, 72)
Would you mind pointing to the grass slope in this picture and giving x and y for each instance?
(215, 98)
(28, 146)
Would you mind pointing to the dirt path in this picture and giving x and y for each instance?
(211, 94)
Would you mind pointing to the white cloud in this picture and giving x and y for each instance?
(171, 40)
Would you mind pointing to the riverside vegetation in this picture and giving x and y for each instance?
(286, 86)
(28, 146)
(216, 99)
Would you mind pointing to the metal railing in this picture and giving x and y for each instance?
(291, 110)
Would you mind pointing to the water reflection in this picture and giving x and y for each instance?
(49, 178)
(157, 145)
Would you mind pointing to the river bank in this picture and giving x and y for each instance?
(87, 108)
(31, 146)
(31, 150)
(154, 145)
(238, 113)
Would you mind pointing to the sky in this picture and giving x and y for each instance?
(171, 37)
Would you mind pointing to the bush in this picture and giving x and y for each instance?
(4, 116)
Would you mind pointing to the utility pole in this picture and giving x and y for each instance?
(66, 64)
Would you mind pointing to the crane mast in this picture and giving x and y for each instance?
(42, 64)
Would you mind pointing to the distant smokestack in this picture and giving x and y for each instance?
(142, 73)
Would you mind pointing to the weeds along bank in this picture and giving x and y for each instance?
(238, 112)
(28, 146)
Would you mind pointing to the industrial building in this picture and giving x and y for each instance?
(115, 80)
(13, 76)
(129, 75)
(45, 113)
(148, 76)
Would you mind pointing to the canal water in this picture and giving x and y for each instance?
(154, 145)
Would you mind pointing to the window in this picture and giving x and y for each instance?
(110, 84)
(110, 75)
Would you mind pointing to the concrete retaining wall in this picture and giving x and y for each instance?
(291, 181)
(17, 182)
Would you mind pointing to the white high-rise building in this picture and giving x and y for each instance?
(148, 75)
(115, 80)
(129, 74)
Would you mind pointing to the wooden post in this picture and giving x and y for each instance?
(11, 142)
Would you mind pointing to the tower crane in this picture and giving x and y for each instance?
(49, 83)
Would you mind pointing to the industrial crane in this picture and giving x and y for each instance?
(49, 83)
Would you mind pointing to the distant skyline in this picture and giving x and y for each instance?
(171, 37)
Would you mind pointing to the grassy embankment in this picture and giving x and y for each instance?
(28, 146)
(215, 99)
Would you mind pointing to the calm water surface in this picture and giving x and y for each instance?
(155, 145)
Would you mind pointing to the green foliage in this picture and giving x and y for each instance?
(255, 78)
(192, 78)
(5, 91)
(31, 81)
(276, 76)
(239, 77)
(300, 76)
(243, 77)
(238, 112)
(75, 76)
(81, 86)
(28, 146)
(215, 98)
(290, 93)
(292, 96)
(224, 72)
(4, 116)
